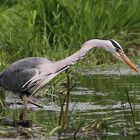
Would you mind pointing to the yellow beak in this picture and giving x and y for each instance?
(128, 62)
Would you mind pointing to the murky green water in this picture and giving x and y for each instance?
(97, 97)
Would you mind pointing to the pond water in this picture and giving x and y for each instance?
(98, 97)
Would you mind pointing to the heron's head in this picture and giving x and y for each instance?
(117, 51)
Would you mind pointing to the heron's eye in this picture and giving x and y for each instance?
(117, 50)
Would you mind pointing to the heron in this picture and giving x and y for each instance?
(26, 76)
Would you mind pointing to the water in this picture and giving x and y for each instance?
(98, 97)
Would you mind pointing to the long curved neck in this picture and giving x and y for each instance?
(86, 47)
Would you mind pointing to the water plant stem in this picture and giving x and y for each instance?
(66, 119)
(131, 108)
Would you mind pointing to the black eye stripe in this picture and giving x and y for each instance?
(114, 44)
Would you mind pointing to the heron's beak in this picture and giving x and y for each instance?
(128, 62)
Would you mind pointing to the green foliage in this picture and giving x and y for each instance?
(2, 100)
(56, 29)
(54, 130)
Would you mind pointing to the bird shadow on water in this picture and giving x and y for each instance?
(21, 120)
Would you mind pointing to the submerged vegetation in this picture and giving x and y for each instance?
(56, 29)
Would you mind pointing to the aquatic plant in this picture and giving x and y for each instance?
(65, 101)
(131, 108)
(2, 99)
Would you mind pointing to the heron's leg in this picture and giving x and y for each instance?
(34, 103)
(24, 99)
(23, 114)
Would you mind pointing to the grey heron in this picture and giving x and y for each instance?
(28, 75)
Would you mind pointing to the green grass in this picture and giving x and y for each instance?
(56, 29)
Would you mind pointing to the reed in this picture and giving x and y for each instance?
(56, 29)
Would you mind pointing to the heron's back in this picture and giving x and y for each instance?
(19, 72)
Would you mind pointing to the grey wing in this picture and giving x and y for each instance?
(14, 79)
(21, 71)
